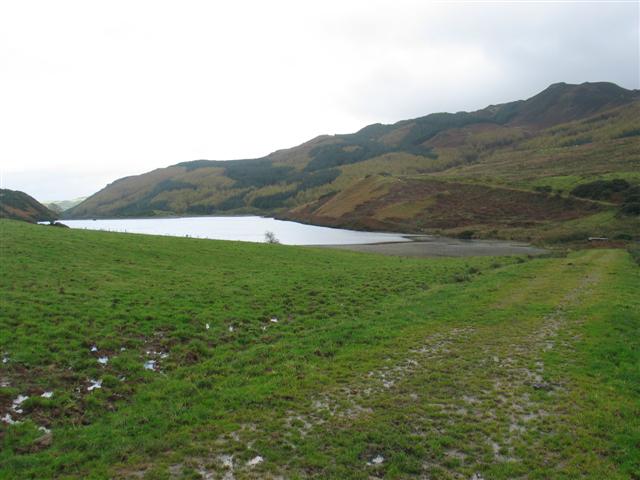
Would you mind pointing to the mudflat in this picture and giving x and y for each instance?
(430, 246)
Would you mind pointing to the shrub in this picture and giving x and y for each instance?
(623, 236)
(466, 234)
(634, 132)
(601, 189)
(630, 208)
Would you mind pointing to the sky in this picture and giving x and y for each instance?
(91, 91)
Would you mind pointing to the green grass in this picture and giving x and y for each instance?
(371, 355)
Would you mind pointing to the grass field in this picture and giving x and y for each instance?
(267, 361)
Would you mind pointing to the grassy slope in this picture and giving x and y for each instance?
(430, 364)
(508, 167)
(556, 156)
(418, 203)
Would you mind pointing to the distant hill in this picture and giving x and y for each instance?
(62, 205)
(18, 205)
(504, 170)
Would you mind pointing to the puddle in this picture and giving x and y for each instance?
(17, 402)
(8, 419)
(94, 384)
(150, 365)
(257, 460)
(226, 461)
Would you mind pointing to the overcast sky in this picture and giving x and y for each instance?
(91, 91)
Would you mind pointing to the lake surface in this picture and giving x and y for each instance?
(246, 229)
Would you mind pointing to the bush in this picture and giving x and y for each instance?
(601, 189)
(623, 236)
(578, 236)
(630, 208)
(466, 234)
(634, 132)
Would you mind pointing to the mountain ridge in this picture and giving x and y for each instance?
(586, 120)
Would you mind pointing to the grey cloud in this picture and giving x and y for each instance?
(529, 45)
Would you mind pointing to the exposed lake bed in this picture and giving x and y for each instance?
(434, 246)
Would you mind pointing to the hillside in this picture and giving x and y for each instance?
(18, 205)
(500, 168)
(138, 356)
(62, 205)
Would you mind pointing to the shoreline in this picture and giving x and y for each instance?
(432, 246)
(404, 244)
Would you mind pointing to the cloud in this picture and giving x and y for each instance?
(118, 88)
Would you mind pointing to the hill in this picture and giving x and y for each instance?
(131, 356)
(62, 205)
(530, 153)
(18, 205)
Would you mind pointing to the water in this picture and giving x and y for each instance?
(246, 229)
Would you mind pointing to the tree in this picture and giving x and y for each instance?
(270, 237)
